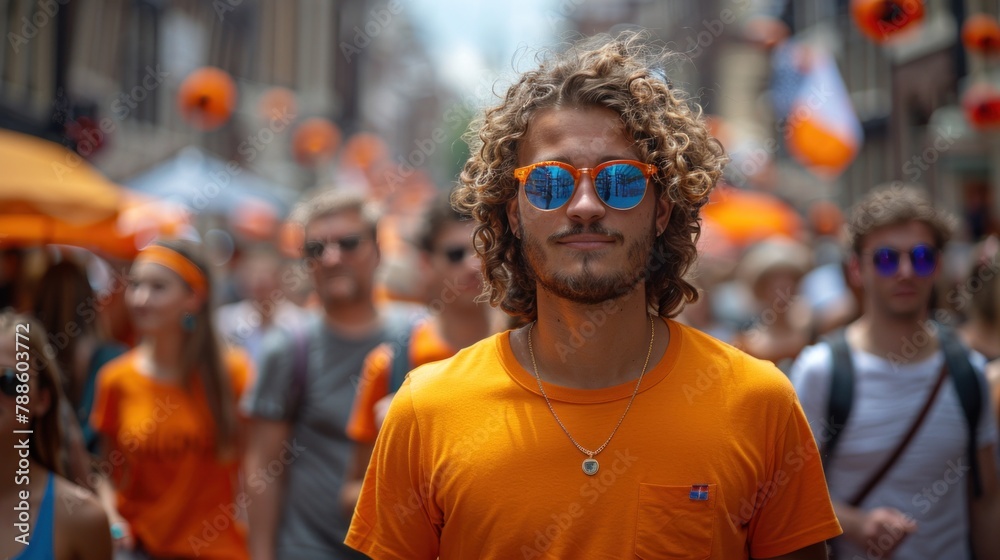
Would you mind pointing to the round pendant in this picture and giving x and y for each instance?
(590, 466)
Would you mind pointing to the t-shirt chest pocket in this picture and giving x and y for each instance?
(675, 521)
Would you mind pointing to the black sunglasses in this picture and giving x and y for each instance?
(455, 255)
(315, 249)
(9, 381)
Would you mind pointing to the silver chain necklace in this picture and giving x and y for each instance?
(590, 465)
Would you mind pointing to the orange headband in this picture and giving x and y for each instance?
(187, 270)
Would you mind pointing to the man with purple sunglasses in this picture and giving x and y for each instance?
(901, 476)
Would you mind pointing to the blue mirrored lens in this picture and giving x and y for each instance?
(886, 261)
(549, 186)
(621, 185)
(924, 259)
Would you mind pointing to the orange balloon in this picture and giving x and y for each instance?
(825, 217)
(364, 149)
(277, 102)
(766, 31)
(315, 141)
(981, 34)
(981, 103)
(881, 20)
(255, 220)
(291, 237)
(207, 98)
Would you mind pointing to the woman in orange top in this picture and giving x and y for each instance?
(167, 413)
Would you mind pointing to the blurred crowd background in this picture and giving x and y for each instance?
(121, 120)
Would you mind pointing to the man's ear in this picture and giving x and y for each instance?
(663, 208)
(513, 218)
(854, 271)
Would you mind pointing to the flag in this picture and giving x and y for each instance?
(813, 109)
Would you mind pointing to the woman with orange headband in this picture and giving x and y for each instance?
(167, 412)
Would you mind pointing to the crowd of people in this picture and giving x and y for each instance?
(574, 383)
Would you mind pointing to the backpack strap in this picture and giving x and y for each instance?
(401, 364)
(300, 369)
(966, 382)
(841, 393)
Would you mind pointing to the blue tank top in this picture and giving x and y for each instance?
(40, 546)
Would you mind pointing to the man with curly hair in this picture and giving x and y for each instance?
(911, 450)
(602, 428)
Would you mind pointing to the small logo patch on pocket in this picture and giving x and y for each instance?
(699, 492)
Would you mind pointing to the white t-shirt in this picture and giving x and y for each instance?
(928, 481)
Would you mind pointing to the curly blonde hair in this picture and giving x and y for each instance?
(625, 75)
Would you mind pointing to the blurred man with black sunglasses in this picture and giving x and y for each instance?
(298, 451)
(454, 283)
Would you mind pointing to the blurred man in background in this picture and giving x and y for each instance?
(299, 408)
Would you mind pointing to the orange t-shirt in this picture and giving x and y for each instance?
(179, 499)
(714, 460)
(425, 347)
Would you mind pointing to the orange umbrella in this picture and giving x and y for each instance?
(743, 216)
(49, 194)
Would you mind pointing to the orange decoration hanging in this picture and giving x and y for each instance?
(981, 104)
(291, 237)
(981, 34)
(277, 102)
(364, 149)
(766, 31)
(882, 20)
(207, 98)
(315, 141)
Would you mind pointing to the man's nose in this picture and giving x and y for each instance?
(332, 254)
(585, 205)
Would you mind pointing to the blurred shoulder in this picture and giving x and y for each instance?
(469, 367)
(239, 365)
(711, 359)
(79, 510)
(119, 368)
